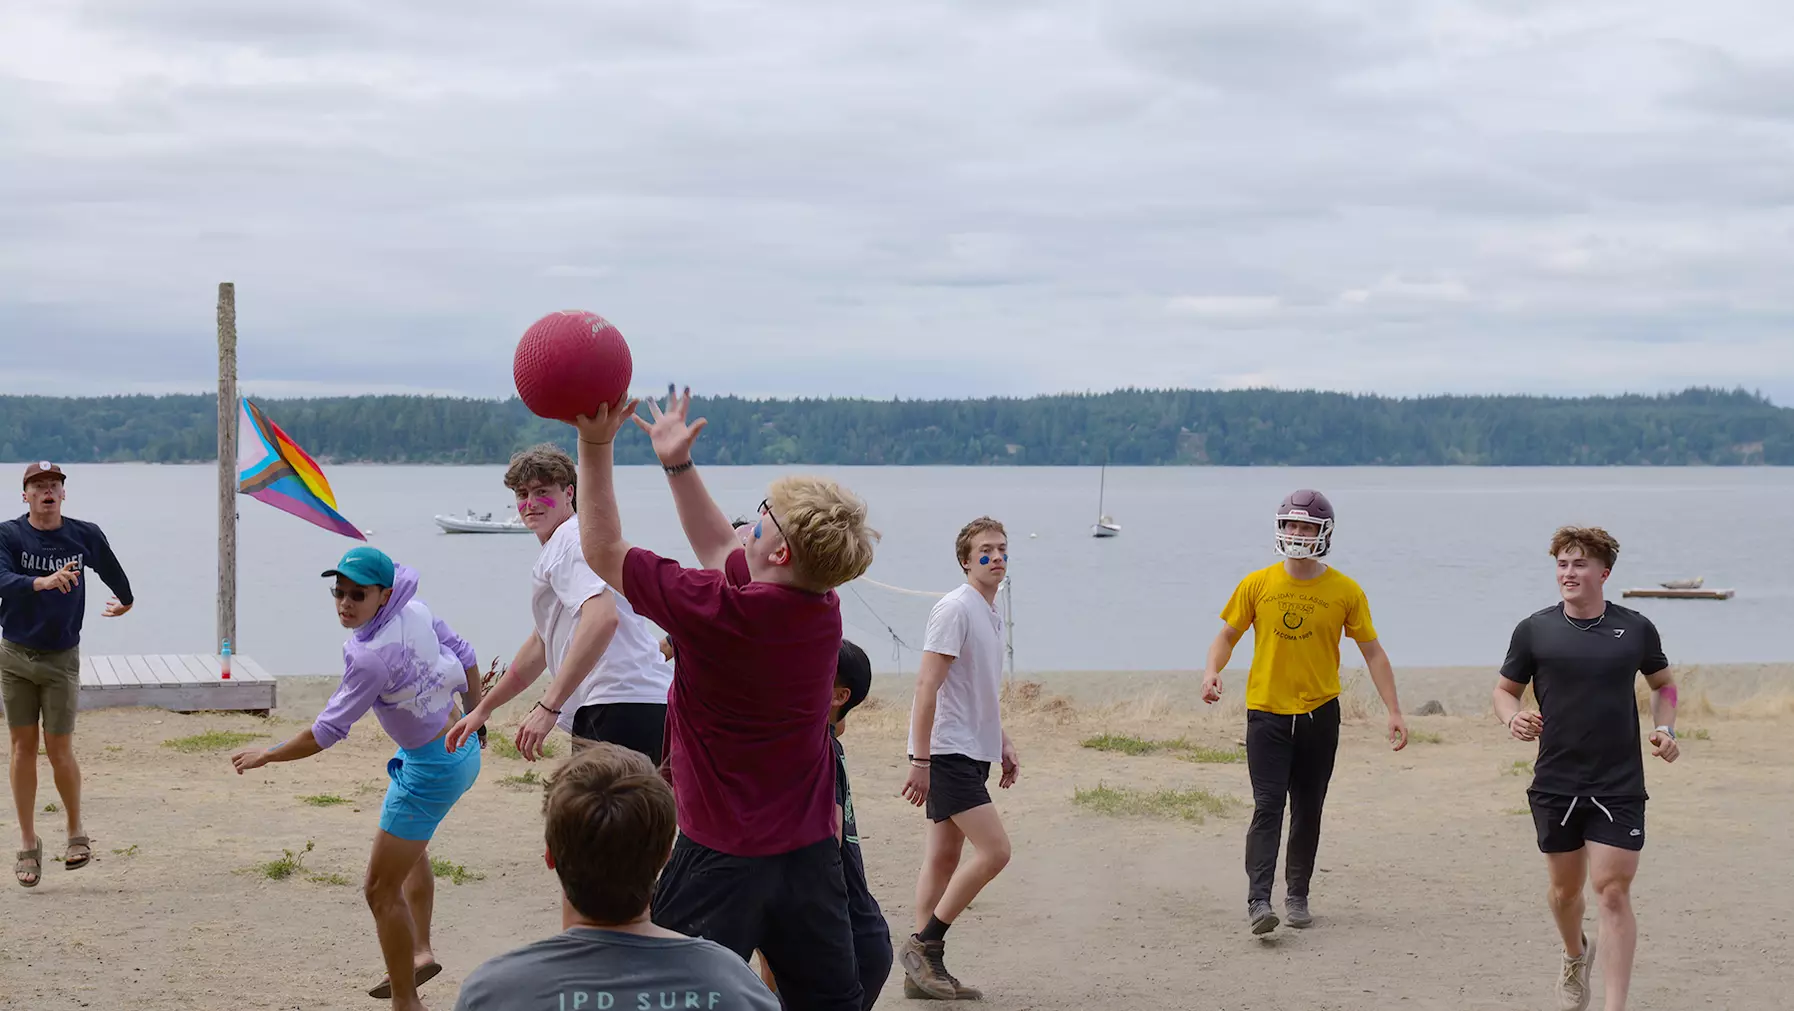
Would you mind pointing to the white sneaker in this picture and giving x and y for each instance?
(1573, 987)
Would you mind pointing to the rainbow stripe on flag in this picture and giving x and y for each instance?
(271, 467)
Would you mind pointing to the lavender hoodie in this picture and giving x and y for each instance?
(405, 665)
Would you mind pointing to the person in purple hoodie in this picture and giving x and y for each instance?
(406, 665)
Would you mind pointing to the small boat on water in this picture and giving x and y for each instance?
(480, 523)
(1683, 584)
(1105, 525)
(1680, 593)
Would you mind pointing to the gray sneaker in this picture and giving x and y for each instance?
(1295, 912)
(1573, 987)
(1263, 919)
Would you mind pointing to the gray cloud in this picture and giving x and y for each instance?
(939, 200)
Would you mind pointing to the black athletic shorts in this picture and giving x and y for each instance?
(1565, 823)
(792, 906)
(638, 726)
(956, 784)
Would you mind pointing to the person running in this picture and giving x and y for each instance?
(42, 602)
(871, 934)
(757, 632)
(405, 664)
(1582, 657)
(609, 826)
(608, 677)
(1298, 610)
(955, 733)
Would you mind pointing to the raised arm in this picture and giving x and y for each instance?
(600, 526)
(711, 537)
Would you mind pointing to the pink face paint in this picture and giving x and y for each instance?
(545, 503)
(1669, 694)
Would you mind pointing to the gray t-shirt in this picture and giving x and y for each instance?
(587, 969)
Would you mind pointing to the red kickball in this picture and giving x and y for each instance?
(570, 363)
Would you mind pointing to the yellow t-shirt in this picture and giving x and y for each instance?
(1296, 629)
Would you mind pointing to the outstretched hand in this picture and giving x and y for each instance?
(602, 425)
(113, 608)
(671, 434)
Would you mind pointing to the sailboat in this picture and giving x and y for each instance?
(1105, 524)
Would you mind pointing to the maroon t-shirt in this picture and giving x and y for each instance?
(747, 718)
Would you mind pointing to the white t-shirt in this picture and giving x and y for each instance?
(967, 716)
(631, 669)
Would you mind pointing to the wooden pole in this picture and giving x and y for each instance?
(227, 467)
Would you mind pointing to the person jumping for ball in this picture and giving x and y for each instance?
(1582, 657)
(757, 634)
(608, 676)
(1298, 609)
(955, 733)
(407, 665)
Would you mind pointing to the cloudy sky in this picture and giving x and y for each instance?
(934, 198)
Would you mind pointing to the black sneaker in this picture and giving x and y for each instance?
(1263, 919)
(1295, 912)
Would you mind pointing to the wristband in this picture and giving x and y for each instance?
(557, 712)
(679, 468)
(1668, 730)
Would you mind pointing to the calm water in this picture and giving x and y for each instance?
(1451, 558)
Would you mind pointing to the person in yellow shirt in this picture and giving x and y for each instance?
(1298, 610)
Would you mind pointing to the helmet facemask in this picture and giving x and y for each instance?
(1293, 545)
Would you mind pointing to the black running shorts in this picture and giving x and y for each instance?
(1566, 823)
(638, 726)
(956, 784)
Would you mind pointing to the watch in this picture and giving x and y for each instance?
(678, 468)
(1668, 730)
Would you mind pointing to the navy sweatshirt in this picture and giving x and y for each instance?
(51, 619)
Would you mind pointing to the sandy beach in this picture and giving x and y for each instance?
(1431, 891)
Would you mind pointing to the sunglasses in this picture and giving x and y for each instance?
(359, 594)
(766, 511)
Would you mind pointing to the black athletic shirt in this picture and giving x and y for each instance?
(862, 908)
(1585, 682)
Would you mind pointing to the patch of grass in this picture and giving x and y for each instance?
(1130, 745)
(1183, 747)
(1188, 805)
(210, 741)
(52, 808)
(1697, 734)
(505, 746)
(1518, 769)
(114, 748)
(323, 800)
(1213, 756)
(128, 851)
(1516, 810)
(530, 780)
(442, 867)
(1425, 737)
(328, 879)
(288, 864)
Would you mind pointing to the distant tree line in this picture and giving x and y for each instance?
(1126, 427)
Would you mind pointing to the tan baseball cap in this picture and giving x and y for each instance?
(41, 468)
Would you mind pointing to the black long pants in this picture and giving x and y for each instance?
(1287, 756)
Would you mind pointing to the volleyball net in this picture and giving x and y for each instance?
(890, 622)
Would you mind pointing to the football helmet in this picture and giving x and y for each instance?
(1306, 506)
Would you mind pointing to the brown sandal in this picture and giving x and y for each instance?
(71, 860)
(30, 862)
(421, 975)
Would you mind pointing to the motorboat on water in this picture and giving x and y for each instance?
(481, 523)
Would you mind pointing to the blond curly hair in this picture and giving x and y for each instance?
(825, 524)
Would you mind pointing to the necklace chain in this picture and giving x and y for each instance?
(1576, 624)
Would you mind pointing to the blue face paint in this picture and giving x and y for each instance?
(756, 530)
(985, 559)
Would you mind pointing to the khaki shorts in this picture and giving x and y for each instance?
(40, 682)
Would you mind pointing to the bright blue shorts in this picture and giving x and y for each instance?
(426, 782)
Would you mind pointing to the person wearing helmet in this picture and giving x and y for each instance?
(1298, 609)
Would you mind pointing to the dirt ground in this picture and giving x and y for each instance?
(1431, 891)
